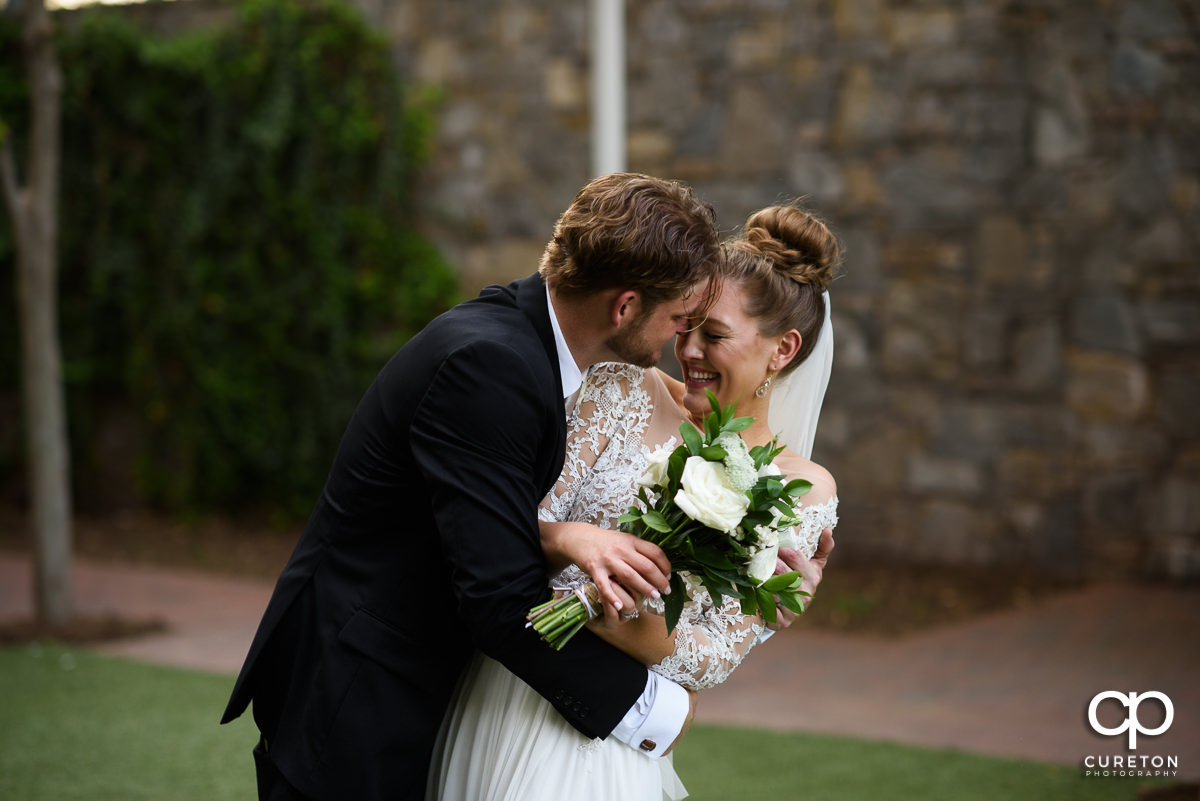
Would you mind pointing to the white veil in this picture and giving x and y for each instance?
(796, 397)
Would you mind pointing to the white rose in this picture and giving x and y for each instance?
(705, 498)
(656, 469)
(762, 564)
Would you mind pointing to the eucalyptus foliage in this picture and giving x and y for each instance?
(238, 253)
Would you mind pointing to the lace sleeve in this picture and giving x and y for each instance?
(813, 520)
(588, 433)
(603, 459)
(710, 641)
(605, 456)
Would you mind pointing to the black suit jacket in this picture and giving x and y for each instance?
(422, 548)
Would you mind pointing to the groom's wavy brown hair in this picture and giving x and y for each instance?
(633, 231)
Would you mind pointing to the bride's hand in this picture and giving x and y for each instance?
(620, 564)
(811, 570)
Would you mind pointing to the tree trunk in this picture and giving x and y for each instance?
(34, 211)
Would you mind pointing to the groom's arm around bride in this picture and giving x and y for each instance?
(423, 545)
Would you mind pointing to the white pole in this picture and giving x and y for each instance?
(608, 86)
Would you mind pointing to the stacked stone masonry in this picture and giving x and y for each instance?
(1017, 187)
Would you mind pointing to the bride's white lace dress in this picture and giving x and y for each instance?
(501, 741)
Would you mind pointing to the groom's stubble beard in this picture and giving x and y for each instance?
(630, 344)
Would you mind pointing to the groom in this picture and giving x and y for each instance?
(424, 546)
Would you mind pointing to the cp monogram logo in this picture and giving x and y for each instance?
(1131, 724)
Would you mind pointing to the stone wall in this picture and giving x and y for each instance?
(1017, 188)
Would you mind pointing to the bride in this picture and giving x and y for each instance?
(765, 345)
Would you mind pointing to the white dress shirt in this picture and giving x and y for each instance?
(657, 718)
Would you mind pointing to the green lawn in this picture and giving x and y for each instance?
(77, 726)
(720, 763)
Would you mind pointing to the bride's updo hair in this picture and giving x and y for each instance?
(783, 259)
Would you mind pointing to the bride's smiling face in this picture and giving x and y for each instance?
(725, 354)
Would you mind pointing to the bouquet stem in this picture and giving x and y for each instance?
(559, 619)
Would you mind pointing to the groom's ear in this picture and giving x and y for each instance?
(624, 307)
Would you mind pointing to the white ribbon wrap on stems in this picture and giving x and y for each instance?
(581, 594)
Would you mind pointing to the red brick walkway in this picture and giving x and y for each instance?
(1013, 684)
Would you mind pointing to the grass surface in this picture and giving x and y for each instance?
(78, 726)
(723, 764)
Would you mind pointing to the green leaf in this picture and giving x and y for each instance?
(710, 556)
(673, 603)
(785, 508)
(736, 591)
(632, 516)
(713, 402)
(752, 519)
(791, 600)
(736, 584)
(691, 437)
(713, 453)
(766, 605)
(780, 582)
(677, 541)
(739, 424)
(798, 487)
(656, 521)
(716, 586)
(675, 467)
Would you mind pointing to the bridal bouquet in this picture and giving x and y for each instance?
(717, 509)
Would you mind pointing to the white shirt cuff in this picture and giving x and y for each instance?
(656, 720)
(765, 635)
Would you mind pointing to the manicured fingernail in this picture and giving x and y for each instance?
(617, 605)
(656, 595)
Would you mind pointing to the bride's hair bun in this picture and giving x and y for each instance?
(798, 244)
(784, 259)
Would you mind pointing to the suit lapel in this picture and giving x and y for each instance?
(531, 300)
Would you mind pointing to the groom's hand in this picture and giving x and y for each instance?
(811, 570)
(620, 564)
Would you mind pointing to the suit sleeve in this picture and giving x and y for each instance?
(476, 438)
